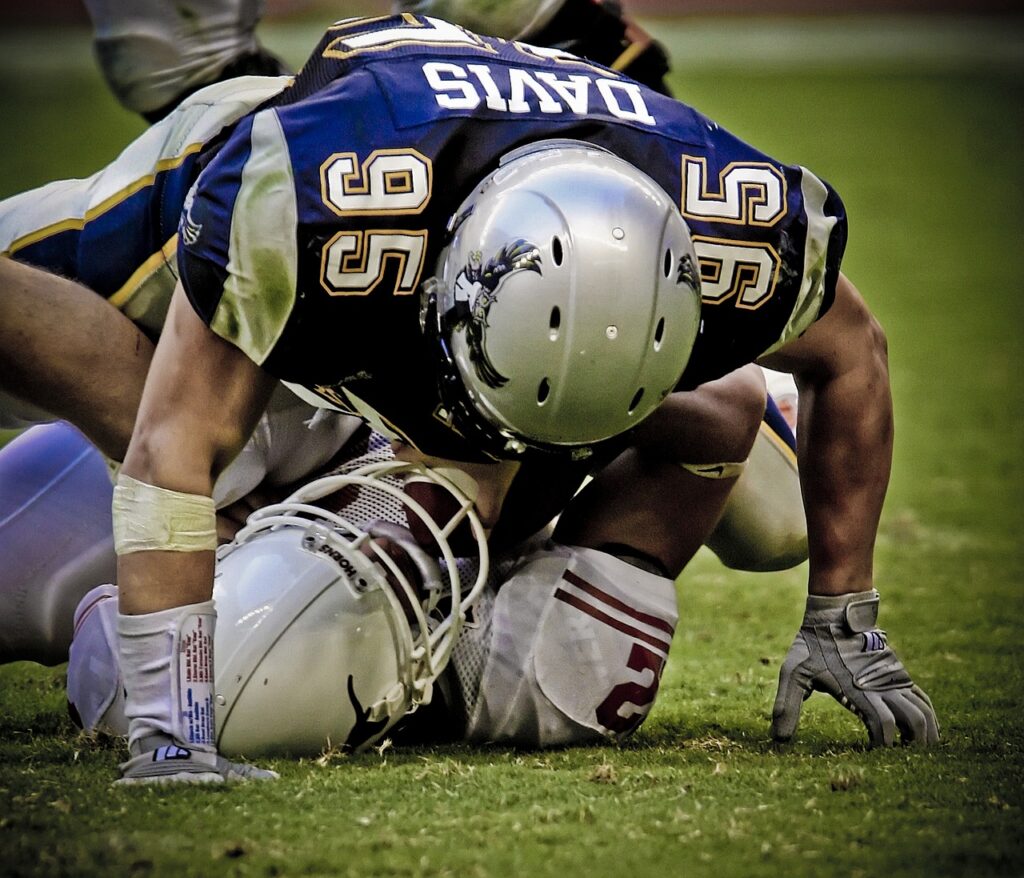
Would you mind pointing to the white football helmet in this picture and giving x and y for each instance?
(567, 301)
(322, 637)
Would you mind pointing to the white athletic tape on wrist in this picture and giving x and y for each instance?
(148, 518)
(715, 470)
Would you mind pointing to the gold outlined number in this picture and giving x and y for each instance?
(751, 194)
(388, 183)
(736, 270)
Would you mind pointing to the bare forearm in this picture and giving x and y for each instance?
(201, 402)
(49, 356)
(155, 580)
(846, 438)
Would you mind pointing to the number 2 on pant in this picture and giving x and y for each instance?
(609, 711)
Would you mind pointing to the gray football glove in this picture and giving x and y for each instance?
(839, 650)
(163, 760)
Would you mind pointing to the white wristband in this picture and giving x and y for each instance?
(148, 518)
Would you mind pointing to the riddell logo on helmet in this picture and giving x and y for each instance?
(338, 559)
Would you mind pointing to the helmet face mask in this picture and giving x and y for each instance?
(323, 638)
(566, 301)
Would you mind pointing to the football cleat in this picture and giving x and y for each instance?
(597, 30)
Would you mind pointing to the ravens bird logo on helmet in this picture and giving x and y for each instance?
(476, 288)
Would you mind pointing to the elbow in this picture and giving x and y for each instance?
(160, 454)
(878, 345)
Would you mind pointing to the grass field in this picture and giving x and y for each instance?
(919, 126)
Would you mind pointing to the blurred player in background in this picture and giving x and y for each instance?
(154, 54)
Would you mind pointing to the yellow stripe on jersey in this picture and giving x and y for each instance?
(780, 444)
(141, 274)
(111, 201)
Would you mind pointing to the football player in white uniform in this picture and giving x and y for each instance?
(308, 612)
(563, 645)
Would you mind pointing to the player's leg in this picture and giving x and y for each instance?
(763, 526)
(55, 539)
(567, 649)
(65, 348)
(154, 53)
(663, 496)
(71, 245)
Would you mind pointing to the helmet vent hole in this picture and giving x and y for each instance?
(667, 267)
(556, 250)
(659, 334)
(543, 391)
(555, 322)
(639, 395)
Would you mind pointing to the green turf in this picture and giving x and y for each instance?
(926, 153)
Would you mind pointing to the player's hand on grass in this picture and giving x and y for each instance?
(163, 760)
(839, 650)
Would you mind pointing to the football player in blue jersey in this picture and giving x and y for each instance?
(306, 233)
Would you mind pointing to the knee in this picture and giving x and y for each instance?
(714, 423)
(742, 411)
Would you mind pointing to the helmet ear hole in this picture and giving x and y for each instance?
(639, 395)
(667, 267)
(556, 251)
(543, 391)
(555, 322)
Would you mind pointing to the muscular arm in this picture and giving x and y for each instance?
(846, 437)
(49, 355)
(201, 402)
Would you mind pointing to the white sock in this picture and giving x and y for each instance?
(167, 664)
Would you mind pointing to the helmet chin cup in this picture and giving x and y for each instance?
(566, 301)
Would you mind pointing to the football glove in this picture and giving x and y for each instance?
(163, 760)
(839, 650)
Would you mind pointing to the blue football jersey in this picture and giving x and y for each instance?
(314, 222)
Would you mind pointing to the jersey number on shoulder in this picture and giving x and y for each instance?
(750, 194)
(388, 183)
(363, 35)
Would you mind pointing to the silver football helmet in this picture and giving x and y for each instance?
(567, 300)
(323, 637)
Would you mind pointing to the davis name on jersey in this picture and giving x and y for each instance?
(314, 223)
